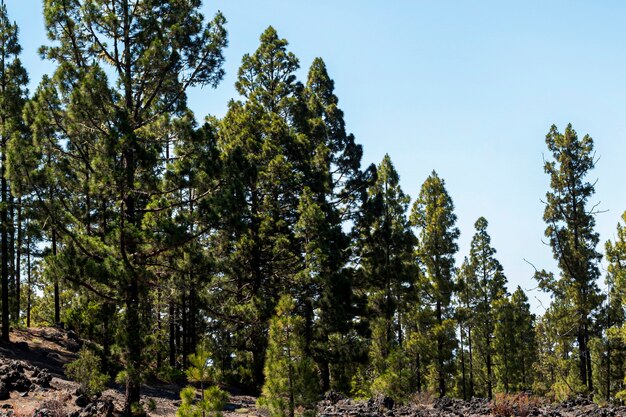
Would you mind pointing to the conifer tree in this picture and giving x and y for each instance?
(290, 381)
(514, 347)
(122, 72)
(612, 319)
(13, 81)
(385, 248)
(524, 351)
(433, 216)
(570, 230)
(334, 187)
(467, 289)
(490, 288)
(259, 255)
(501, 346)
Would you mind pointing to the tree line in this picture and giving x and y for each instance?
(261, 236)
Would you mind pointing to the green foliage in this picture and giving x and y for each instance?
(212, 399)
(385, 247)
(481, 286)
(396, 381)
(290, 379)
(13, 94)
(86, 371)
(570, 228)
(433, 215)
(211, 403)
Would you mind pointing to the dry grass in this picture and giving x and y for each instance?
(422, 399)
(520, 405)
(55, 407)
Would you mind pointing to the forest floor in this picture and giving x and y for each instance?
(46, 350)
(32, 368)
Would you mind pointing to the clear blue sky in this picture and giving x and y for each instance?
(466, 88)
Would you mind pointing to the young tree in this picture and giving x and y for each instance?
(570, 230)
(123, 70)
(212, 399)
(13, 81)
(433, 216)
(290, 381)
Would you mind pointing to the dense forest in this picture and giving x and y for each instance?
(260, 240)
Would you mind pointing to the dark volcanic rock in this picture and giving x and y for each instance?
(333, 397)
(81, 401)
(13, 377)
(4, 392)
(22, 345)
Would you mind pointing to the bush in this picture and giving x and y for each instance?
(86, 371)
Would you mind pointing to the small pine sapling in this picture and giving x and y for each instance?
(212, 399)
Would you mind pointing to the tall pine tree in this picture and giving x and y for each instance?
(433, 216)
(570, 229)
(13, 80)
(385, 246)
(123, 69)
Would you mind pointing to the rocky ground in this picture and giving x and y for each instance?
(33, 384)
(336, 406)
(33, 381)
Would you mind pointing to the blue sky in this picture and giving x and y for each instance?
(466, 88)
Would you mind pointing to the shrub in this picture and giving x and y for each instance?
(86, 371)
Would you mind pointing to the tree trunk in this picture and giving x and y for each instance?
(133, 346)
(30, 282)
(184, 326)
(462, 364)
(582, 356)
(172, 323)
(57, 301)
(440, 359)
(18, 260)
(489, 371)
(4, 243)
(588, 361)
(419, 373)
(471, 363)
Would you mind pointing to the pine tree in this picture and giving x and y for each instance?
(524, 350)
(13, 81)
(433, 216)
(290, 381)
(467, 290)
(570, 230)
(490, 288)
(258, 253)
(514, 348)
(119, 86)
(212, 399)
(612, 319)
(334, 187)
(385, 248)
(501, 346)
